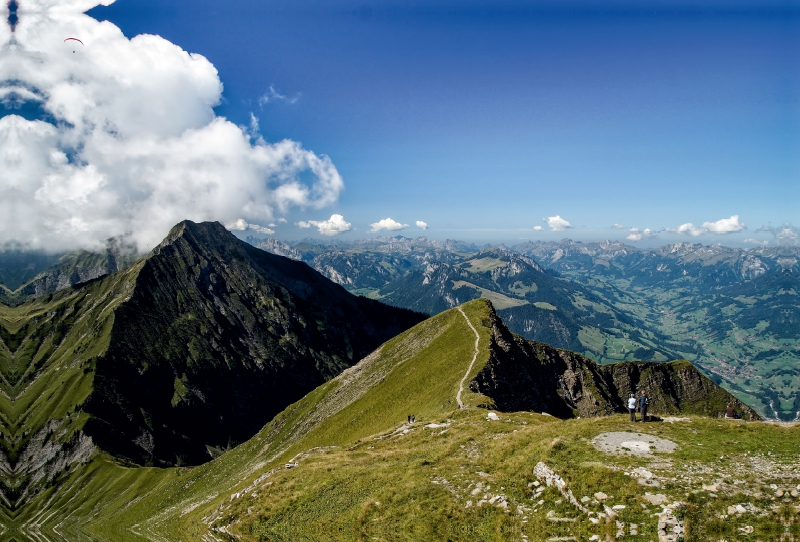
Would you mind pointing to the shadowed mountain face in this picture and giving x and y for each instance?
(216, 338)
(173, 360)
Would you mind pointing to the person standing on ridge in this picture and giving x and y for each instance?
(632, 406)
(644, 402)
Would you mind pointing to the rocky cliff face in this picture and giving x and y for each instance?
(277, 247)
(50, 451)
(528, 375)
(77, 267)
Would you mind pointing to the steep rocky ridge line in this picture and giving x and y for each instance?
(527, 375)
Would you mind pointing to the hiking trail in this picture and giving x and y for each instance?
(474, 357)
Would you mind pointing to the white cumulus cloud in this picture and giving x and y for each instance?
(387, 224)
(538, 228)
(127, 141)
(422, 225)
(618, 227)
(722, 226)
(557, 223)
(690, 229)
(333, 226)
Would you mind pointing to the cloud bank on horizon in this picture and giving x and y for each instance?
(125, 140)
(723, 226)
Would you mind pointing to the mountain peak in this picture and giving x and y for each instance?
(207, 233)
(216, 337)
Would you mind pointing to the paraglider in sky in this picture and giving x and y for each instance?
(73, 39)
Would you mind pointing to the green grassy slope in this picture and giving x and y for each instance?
(363, 474)
(48, 352)
(472, 480)
(417, 372)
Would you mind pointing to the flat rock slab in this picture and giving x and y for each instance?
(624, 442)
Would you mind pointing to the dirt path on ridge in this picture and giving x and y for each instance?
(474, 357)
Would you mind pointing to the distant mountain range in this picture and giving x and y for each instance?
(734, 312)
(699, 265)
(434, 276)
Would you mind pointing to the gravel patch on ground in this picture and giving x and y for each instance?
(641, 444)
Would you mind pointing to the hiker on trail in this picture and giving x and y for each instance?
(644, 402)
(413, 418)
(730, 413)
(632, 406)
(409, 418)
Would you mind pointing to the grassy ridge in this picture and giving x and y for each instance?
(415, 373)
(362, 474)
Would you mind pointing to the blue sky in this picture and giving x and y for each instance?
(484, 118)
